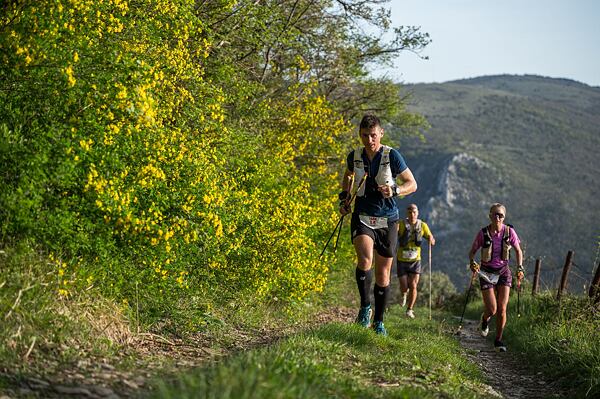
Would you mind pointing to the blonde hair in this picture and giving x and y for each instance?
(496, 206)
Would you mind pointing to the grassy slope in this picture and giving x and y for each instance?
(541, 136)
(418, 359)
(563, 339)
(40, 331)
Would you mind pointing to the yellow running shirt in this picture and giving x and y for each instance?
(411, 252)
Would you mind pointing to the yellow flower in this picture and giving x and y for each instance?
(85, 144)
(70, 78)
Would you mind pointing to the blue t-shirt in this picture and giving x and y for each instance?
(373, 203)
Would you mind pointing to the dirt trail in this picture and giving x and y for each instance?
(509, 377)
(156, 356)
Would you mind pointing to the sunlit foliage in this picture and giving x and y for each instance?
(178, 144)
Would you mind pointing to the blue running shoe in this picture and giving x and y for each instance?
(364, 316)
(379, 328)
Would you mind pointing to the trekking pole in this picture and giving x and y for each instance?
(467, 300)
(350, 186)
(338, 234)
(430, 280)
(518, 297)
(331, 236)
(339, 223)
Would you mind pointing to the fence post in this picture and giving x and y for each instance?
(595, 286)
(565, 273)
(536, 277)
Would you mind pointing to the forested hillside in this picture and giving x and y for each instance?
(527, 141)
(179, 154)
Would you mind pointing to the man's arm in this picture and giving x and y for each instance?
(347, 180)
(345, 194)
(431, 239)
(427, 234)
(408, 185)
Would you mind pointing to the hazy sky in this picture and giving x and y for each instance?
(556, 38)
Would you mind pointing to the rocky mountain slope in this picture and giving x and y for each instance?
(529, 142)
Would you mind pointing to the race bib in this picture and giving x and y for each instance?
(373, 222)
(491, 278)
(410, 254)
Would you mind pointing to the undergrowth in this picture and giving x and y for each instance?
(561, 338)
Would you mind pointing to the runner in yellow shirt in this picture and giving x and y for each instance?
(408, 260)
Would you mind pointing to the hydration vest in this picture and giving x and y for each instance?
(486, 249)
(384, 174)
(407, 231)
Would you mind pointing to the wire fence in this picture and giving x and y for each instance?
(568, 277)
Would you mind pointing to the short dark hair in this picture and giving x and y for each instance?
(369, 121)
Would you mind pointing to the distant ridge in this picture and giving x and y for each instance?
(490, 80)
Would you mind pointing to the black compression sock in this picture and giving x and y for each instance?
(381, 294)
(363, 281)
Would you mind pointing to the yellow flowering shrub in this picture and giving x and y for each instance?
(141, 153)
(125, 158)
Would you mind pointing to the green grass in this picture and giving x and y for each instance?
(417, 359)
(563, 340)
(37, 324)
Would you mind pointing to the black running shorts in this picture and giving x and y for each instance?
(405, 268)
(385, 239)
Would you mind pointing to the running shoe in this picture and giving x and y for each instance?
(379, 328)
(499, 346)
(410, 314)
(484, 328)
(364, 316)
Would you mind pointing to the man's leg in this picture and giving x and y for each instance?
(413, 281)
(363, 245)
(403, 280)
(383, 267)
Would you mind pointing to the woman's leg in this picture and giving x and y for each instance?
(503, 296)
(489, 302)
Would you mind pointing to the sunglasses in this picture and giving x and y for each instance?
(499, 215)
